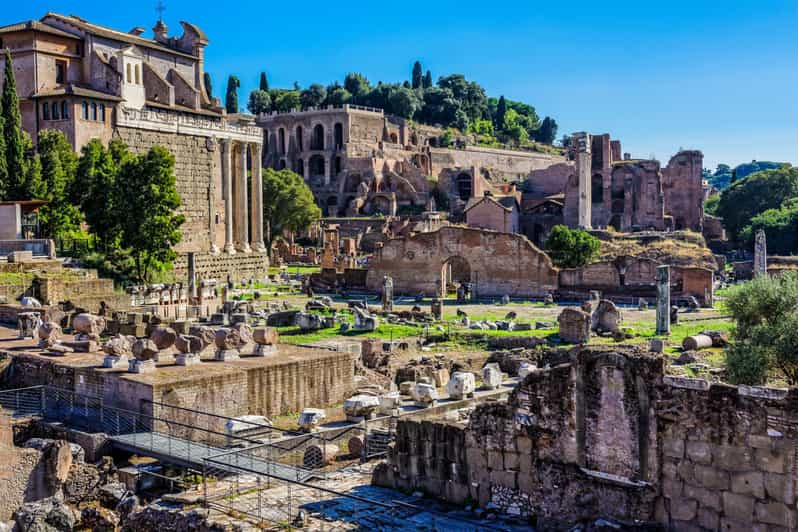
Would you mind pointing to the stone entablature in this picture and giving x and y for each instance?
(185, 124)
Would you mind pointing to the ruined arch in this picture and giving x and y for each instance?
(338, 165)
(299, 141)
(316, 166)
(332, 206)
(339, 135)
(455, 270)
(281, 141)
(464, 186)
(317, 139)
(597, 189)
(394, 138)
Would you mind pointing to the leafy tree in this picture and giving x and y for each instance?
(471, 95)
(313, 96)
(206, 79)
(427, 81)
(259, 102)
(446, 138)
(547, 132)
(231, 96)
(287, 203)
(337, 95)
(501, 110)
(514, 127)
(404, 102)
(746, 198)
(12, 135)
(766, 334)
(357, 85)
(780, 226)
(150, 227)
(264, 82)
(418, 76)
(58, 168)
(285, 101)
(482, 127)
(439, 107)
(571, 248)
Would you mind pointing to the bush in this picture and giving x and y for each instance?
(745, 364)
(572, 248)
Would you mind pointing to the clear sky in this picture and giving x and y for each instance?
(720, 76)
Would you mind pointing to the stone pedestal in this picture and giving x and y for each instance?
(164, 356)
(187, 359)
(265, 350)
(663, 280)
(226, 355)
(116, 362)
(141, 366)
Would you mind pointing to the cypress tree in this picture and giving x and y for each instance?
(206, 79)
(231, 98)
(12, 134)
(418, 75)
(264, 83)
(427, 80)
(501, 110)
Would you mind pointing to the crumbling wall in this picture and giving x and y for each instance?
(494, 263)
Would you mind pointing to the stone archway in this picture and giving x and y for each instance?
(454, 271)
(465, 187)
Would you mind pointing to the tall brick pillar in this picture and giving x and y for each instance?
(242, 238)
(256, 211)
(227, 193)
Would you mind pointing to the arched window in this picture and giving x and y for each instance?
(317, 140)
(102, 112)
(64, 110)
(299, 140)
(93, 110)
(281, 136)
(85, 114)
(339, 136)
(129, 74)
(56, 114)
(138, 74)
(46, 111)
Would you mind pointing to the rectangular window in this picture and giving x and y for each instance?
(85, 110)
(46, 111)
(93, 111)
(60, 72)
(64, 110)
(102, 112)
(56, 115)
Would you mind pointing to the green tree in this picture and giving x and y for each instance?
(150, 227)
(58, 168)
(571, 248)
(288, 203)
(259, 102)
(418, 76)
(746, 198)
(765, 338)
(501, 110)
(264, 82)
(547, 131)
(206, 79)
(427, 83)
(12, 135)
(482, 127)
(285, 101)
(403, 102)
(313, 96)
(231, 96)
(514, 127)
(780, 226)
(358, 86)
(337, 95)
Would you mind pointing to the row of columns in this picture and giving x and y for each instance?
(243, 205)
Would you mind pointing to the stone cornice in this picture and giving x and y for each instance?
(169, 122)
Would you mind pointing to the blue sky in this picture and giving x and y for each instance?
(658, 75)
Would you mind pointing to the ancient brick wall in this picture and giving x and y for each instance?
(197, 173)
(502, 165)
(683, 188)
(608, 435)
(494, 263)
(238, 267)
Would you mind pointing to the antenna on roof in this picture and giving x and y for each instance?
(160, 8)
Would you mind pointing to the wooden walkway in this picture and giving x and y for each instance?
(186, 453)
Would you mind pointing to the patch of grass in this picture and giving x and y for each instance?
(385, 331)
(304, 270)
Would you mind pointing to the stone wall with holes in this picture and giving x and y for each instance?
(499, 263)
(221, 266)
(606, 434)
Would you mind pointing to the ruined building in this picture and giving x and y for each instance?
(89, 81)
(632, 194)
(359, 160)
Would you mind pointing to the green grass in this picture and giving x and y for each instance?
(304, 270)
(12, 278)
(385, 331)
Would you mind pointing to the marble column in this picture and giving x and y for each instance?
(242, 238)
(663, 280)
(256, 211)
(227, 193)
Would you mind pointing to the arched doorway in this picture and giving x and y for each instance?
(317, 140)
(299, 167)
(464, 187)
(281, 135)
(339, 136)
(596, 189)
(455, 271)
(332, 206)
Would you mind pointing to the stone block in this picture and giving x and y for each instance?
(759, 441)
(699, 452)
(672, 489)
(732, 458)
(495, 460)
(524, 445)
(476, 458)
(730, 525)
(740, 508)
(711, 478)
(511, 461)
(527, 483)
(775, 513)
(669, 470)
(707, 498)
(780, 487)
(133, 329)
(770, 460)
(684, 509)
(708, 519)
(750, 483)
(673, 447)
(686, 471)
(508, 479)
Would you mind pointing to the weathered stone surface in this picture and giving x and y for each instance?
(265, 336)
(118, 346)
(574, 326)
(491, 376)
(310, 418)
(163, 337)
(49, 334)
(88, 324)
(244, 333)
(606, 317)
(313, 322)
(361, 405)
(738, 507)
(144, 349)
(227, 338)
(205, 333)
(461, 385)
(185, 343)
(46, 515)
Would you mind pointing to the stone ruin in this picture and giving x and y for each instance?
(574, 326)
